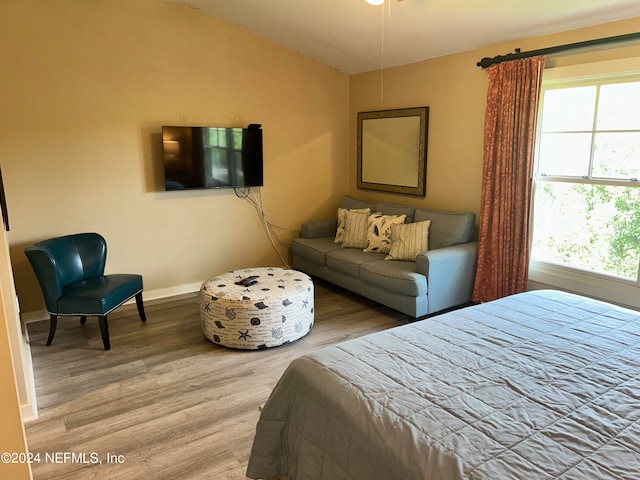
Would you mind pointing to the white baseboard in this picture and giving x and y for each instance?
(171, 291)
(29, 412)
(29, 405)
(36, 316)
(161, 293)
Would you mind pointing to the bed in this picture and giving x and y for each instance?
(539, 385)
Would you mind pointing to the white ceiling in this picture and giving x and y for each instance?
(348, 34)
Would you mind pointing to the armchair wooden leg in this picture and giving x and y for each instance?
(140, 306)
(53, 322)
(104, 331)
(83, 320)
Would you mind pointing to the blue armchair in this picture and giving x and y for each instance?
(70, 271)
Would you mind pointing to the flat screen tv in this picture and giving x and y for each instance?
(212, 157)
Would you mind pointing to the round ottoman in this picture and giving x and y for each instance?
(276, 309)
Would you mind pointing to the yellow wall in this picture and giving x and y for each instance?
(454, 89)
(85, 89)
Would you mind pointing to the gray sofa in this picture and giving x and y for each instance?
(440, 278)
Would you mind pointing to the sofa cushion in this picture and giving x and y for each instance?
(351, 203)
(314, 249)
(394, 209)
(379, 231)
(342, 213)
(349, 260)
(447, 228)
(408, 241)
(394, 276)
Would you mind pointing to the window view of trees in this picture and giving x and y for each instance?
(587, 198)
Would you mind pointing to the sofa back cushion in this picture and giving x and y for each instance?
(447, 228)
(351, 203)
(393, 209)
(386, 208)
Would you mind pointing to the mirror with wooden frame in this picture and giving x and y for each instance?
(392, 150)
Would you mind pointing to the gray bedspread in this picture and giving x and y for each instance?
(541, 385)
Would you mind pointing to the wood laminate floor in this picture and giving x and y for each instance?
(164, 402)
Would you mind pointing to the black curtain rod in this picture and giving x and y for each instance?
(487, 62)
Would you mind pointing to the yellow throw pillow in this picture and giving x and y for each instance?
(355, 229)
(379, 231)
(409, 240)
(341, 214)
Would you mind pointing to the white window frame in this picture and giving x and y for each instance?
(544, 274)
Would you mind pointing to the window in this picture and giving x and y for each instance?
(224, 155)
(587, 195)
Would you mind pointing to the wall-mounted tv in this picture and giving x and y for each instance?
(212, 157)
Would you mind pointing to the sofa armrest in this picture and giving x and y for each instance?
(319, 228)
(450, 273)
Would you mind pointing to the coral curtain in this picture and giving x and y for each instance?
(507, 180)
